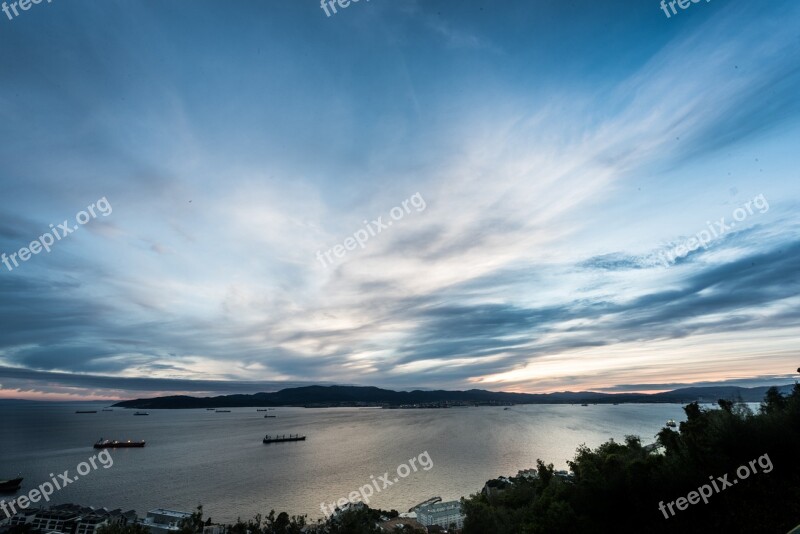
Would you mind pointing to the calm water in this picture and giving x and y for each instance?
(217, 459)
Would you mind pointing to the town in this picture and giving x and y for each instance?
(428, 517)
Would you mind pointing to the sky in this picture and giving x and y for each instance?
(526, 196)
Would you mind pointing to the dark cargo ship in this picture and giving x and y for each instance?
(109, 444)
(11, 485)
(284, 437)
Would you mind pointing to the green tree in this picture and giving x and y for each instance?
(617, 487)
(194, 523)
(774, 401)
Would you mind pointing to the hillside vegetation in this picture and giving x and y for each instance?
(618, 487)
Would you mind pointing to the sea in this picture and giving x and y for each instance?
(218, 460)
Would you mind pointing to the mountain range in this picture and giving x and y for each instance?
(328, 396)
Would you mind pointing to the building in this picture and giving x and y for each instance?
(163, 521)
(71, 518)
(406, 524)
(90, 522)
(496, 487)
(62, 518)
(443, 514)
(22, 517)
(528, 474)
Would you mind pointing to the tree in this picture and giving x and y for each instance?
(283, 524)
(618, 487)
(194, 523)
(355, 521)
(774, 401)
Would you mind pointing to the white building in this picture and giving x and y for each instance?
(443, 514)
(163, 521)
(214, 529)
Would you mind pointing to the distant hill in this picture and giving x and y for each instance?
(313, 396)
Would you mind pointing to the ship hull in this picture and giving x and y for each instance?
(281, 440)
(119, 445)
(11, 485)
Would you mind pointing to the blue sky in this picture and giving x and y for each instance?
(561, 149)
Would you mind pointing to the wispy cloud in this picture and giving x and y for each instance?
(532, 267)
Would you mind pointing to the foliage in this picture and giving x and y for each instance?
(271, 524)
(357, 521)
(193, 524)
(617, 487)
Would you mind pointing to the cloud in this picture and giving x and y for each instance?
(118, 387)
(533, 265)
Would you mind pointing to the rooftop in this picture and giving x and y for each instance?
(170, 513)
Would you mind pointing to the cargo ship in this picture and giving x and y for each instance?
(109, 444)
(223, 411)
(270, 416)
(86, 411)
(11, 485)
(284, 437)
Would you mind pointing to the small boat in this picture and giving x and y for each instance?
(86, 411)
(223, 411)
(141, 413)
(283, 437)
(270, 416)
(671, 423)
(11, 485)
(109, 444)
(584, 405)
(260, 410)
(210, 409)
(505, 409)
